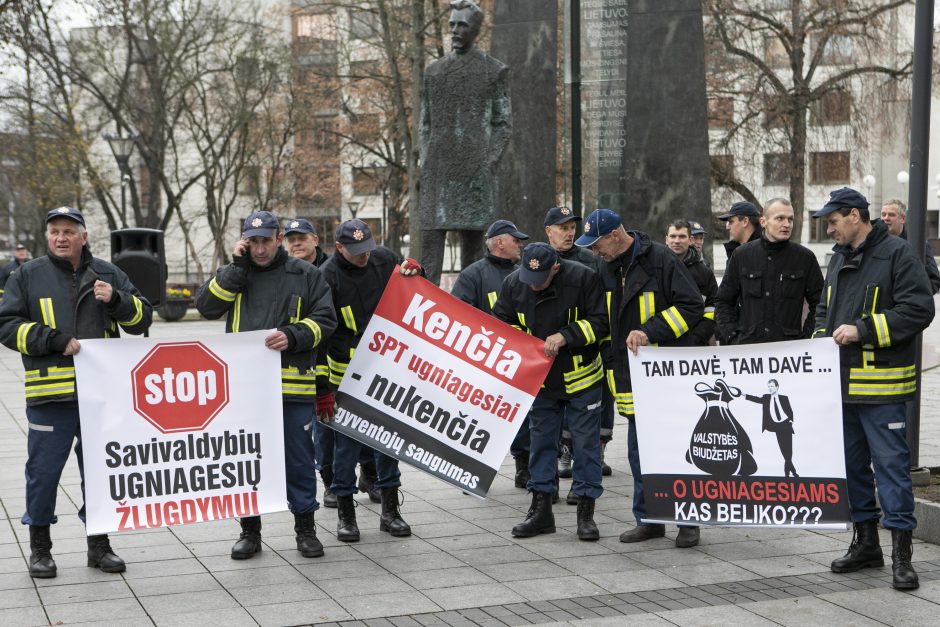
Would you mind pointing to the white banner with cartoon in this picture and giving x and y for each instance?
(742, 435)
(178, 431)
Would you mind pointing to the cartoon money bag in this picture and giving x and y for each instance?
(720, 446)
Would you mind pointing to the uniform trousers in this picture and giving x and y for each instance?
(53, 427)
(299, 457)
(347, 453)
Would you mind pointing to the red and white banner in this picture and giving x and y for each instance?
(180, 431)
(742, 435)
(439, 385)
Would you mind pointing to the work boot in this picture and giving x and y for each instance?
(605, 469)
(864, 552)
(555, 498)
(643, 532)
(368, 475)
(687, 537)
(391, 520)
(249, 542)
(572, 498)
(100, 555)
(522, 471)
(564, 462)
(306, 535)
(346, 528)
(902, 549)
(587, 528)
(539, 518)
(41, 564)
(329, 499)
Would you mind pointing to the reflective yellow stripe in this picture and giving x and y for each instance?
(491, 297)
(237, 313)
(138, 316)
(584, 371)
(624, 403)
(881, 329)
(869, 374)
(296, 315)
(647, 306)
(21, 334)
(336, 366)
(292, 382)
(611, 384)
(521, 317)
(313, 326)
(219, 292)
(709, 313)
(882, 389)
(583, 384)
(819, 332)
(323, 371)
(48, 313)
(675, 321)
(874, 300)
(587, 331)
(828, 294)
(349, 318)
(53, 373)
(51, 389)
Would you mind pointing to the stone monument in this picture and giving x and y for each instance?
(466, 122)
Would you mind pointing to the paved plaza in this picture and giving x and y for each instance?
(460, 567)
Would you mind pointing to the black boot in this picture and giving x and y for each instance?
(306, 534)
(864, 552)
(41, 564)
(249, 542)
(522, 470)
(391, 520)
(606, 470)
(329, 499)
(539, 519)
(346, 528)
(101, 556)
(368, 475)
(905, 577)
(571, 498)
(587, 529)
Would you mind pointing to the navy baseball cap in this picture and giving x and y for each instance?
(844, 198)
(697, 228)
(501, 227)
(741, 208)
(356, 236)
(537, 261)
(20, 247)
(299, 225)
(560, 215)
(260, 224)
(597, 225)
(66, 212)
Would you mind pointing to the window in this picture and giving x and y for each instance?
(722, 167)
(776, 114)
(363, 24)
(776, 170)
(828, 167)
(840, 50)
(720, 113)
(365, 128)
(315, 26)
(834, 108)
(319, 135)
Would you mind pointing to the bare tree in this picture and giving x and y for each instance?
(782, 62)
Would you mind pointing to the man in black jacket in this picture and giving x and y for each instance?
(561, 303)
(742, 222)
(679, 241)
(50, 305)
(303, 241)
(894, 215)
(20, 256)
(767, 282)
(877, 301)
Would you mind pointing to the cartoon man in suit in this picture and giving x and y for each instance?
(778, 418)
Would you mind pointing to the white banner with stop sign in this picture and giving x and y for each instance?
(177, 431)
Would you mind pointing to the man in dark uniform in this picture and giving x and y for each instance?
(357, 273)
(478, 285)
(303, 241)
(742, 224)
(679, 241)
(561, 303)
(20, 256)
(265, 288)
(877, 300)
(697, 235)
(768, 284)
(50, 305)
(652, 299)
(894, 215)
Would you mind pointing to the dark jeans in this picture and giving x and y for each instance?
(344, 467)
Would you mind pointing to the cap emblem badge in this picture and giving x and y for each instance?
(294, 224)
(565, 211)
(358, 235)
(257, 222)
(534, 264)
(587, 227)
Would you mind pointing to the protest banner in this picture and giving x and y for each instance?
(439, 385)
(180, 431)
(742, 435)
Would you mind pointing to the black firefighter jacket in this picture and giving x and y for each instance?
(290, 295)
(47, 302)
(883, 290)
(572, 305)
(707, 285)
(648, 288)
(762, 293)
(478, 284)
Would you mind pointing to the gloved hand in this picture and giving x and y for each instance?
(410, 267)
(326, 407)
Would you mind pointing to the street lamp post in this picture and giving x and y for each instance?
(122, 147)
(903, 178)
(869, 180)
(353, 208)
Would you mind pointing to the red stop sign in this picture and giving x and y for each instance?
(180, 386)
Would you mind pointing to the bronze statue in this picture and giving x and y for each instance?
(466, 123)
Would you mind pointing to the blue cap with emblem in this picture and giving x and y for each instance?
(356, 236)
(696, 228)
(741, 208)
(843, 198)
(299, 225)
(66, 212)
(502, 227)
(537, 262)
(560, 215)
(260, 224)
(598, 224)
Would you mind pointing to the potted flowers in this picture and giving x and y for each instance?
(178, 300)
